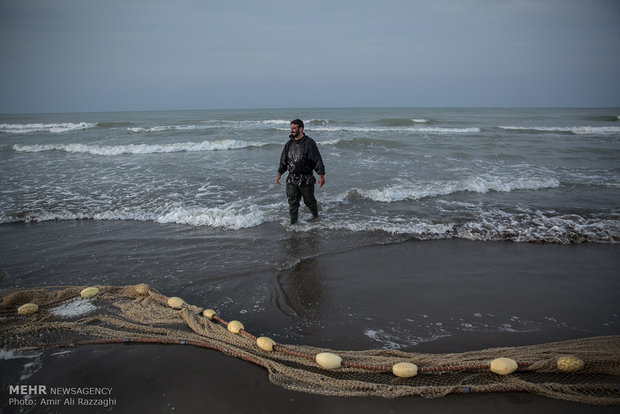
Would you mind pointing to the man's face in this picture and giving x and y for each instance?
(296, 130)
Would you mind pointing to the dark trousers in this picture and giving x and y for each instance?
(294, 194)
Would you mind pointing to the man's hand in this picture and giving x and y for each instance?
(321, 180)
(278, 178)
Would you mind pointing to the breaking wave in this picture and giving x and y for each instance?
(226, 218)
(229, 124)
(166, 128)
(496, 225)
(411, 130)
(577, 130)
(40, 127)
(399, 122)
(368, 142)
(136, 149)
(403, 192)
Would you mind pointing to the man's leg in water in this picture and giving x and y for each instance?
(293, 196)
(308, 193)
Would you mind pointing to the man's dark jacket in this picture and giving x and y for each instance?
(300, 158)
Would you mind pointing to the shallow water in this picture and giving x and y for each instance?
(549, 175)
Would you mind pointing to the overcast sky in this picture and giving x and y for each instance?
(94, 55)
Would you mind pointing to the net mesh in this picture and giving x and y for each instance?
(140, 314)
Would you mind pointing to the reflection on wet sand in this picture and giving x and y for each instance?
(300, 291)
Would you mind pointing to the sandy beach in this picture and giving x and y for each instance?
(182, 379)
(486, 294)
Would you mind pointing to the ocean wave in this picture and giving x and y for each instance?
(51, 128)
(400, 122)
(412, 130)
(227, 217)
(318, 122)
(214, 123)
(137, 149)
(252, 123)
(577, 130)
(362, 141)
(525, 227)
(532, 226)
(162, 128)
(247, 124)
(417, 229)
(539, 227)
(406, 191)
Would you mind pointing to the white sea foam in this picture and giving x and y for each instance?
(419, 229)
(278, 122)
(495, 323)
(10, 354)
(330, 142)
(412, 130)
(538, 227)
(166, 128)
(579, 130)
(229, 218)
(407, 191)
(397, 337)
(389, 341)
(241, 124)
(40, 127)
(488, 225)
(250, 123)
(136, 149)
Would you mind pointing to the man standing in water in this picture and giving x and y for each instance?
(300, 157)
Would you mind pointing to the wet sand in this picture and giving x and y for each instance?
(185, 379)
(331, 300)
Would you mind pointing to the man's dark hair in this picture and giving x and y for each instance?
(298, 122)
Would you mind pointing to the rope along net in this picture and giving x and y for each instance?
(584, 370)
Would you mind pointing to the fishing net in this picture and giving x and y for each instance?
(584, 370)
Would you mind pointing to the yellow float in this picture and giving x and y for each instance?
(89, 292)
(504, 366)
(264, 343)
(405, 369)
(570, 363)
(234, 326)
(328, 360)
(142, 289)
(176, 303)
(28, 309)
(208, 313)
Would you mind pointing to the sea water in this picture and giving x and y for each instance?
(527, 175)
(187, 200)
